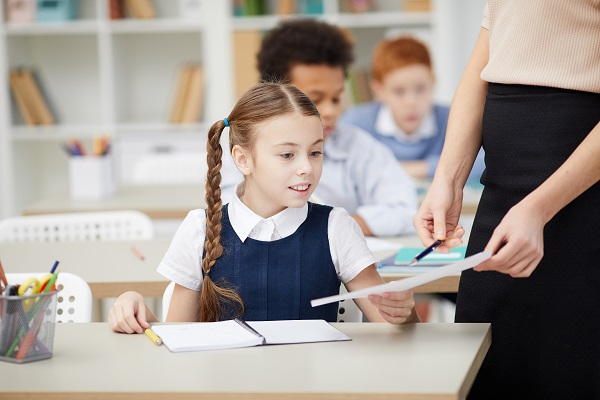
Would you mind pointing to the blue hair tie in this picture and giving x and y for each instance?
(226, 121)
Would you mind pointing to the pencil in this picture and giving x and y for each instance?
(137, 253)
(3, 275)
(153, 336)
(425, 252)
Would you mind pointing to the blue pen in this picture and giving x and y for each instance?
(425, 252)
(54, 267)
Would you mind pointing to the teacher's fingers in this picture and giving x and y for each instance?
(425, 233)
(439, 224)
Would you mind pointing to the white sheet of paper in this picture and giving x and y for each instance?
(409, 283)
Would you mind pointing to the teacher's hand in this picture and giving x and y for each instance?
(438, 216)
(517, 243)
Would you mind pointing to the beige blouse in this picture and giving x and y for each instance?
(553, 43)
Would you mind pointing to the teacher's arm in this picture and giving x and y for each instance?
(518, 240)
(438, 215)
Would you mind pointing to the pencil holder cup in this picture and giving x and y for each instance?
(27, 327)
(91, 178)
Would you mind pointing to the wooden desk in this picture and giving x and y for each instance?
(383, 361)
(110, 267)
(157, 201)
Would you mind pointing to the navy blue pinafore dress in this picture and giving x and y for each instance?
(278, 279)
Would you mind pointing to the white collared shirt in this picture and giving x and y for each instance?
(386, 125)
(362, 175)
(182, 262)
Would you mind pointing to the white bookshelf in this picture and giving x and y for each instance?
(103, 76)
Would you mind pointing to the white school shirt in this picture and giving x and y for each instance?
(363, 176)
(182, 262)
(386, 125)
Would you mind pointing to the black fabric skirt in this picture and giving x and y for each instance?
(545, 328)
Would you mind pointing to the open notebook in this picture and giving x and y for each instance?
(237, 333)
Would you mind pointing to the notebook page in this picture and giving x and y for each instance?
(205, 336)
(297, 331)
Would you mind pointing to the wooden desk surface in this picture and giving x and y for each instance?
(157, 201)
(424, 361)
(111, 268)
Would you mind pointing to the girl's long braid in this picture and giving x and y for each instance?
(212, 295)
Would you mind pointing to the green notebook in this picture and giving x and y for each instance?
(406, 254)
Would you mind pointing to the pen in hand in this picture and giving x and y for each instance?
(425, 252)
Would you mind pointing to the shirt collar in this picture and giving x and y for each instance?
(247, 224)
(386, 126)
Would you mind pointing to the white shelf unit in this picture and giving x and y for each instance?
(103, 76)
(117, 77)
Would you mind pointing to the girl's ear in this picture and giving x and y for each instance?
(242, 159)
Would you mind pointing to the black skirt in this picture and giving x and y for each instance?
(545, 328)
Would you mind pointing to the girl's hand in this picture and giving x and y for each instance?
(128, 314)
(517, 243)
(438, 216)
(395, 307)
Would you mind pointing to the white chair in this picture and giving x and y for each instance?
(348, 311)
(170, 168)
(74, 301)
(92, 226)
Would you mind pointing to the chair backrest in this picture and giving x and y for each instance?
(348, 311)
(74, 302)
(93, 226)
(170, 168)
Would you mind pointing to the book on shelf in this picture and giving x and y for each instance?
(140, 9)
(236, 333)
(29, 99)
(286, 7)
(360, 89)
(116, 9)
(312, 7)
(192, 107)
(20, 11)
(189, 94)
(417, 5)
(62, 10)
(246, 45)
(254, 7)
(356, 6)
(19, 95)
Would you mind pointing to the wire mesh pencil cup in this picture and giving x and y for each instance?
(27, 327)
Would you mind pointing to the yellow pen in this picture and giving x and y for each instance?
(153, 336)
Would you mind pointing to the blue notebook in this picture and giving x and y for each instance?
(406, 254)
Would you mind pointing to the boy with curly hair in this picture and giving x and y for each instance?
(359, 173)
